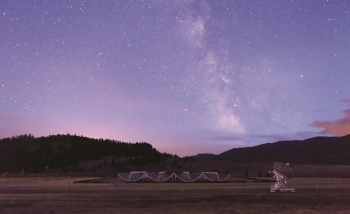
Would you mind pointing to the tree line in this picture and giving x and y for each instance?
(59, 151)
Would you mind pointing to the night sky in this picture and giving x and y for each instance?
(186, 76)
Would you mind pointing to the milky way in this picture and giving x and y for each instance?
(186, 76)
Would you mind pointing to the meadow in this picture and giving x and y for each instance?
(108, 197)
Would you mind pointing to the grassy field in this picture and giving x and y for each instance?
(53, 182)
(175, 204)
(141, 203)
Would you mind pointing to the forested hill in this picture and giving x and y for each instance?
(59, 151)
(317, 150)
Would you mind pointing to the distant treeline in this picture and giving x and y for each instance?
(31, 154)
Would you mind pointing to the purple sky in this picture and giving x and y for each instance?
(186, 76)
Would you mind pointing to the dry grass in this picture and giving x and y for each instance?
(224, 204)
(138, 203)
(60, 182)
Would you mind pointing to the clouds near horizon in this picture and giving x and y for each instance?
(338, 127)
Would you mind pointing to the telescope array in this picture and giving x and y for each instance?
(163, 177)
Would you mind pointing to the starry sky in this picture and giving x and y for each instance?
(187, 76)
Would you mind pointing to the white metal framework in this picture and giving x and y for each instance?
(163, 177)
(281, 171)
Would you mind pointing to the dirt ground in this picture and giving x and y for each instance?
(145, 203)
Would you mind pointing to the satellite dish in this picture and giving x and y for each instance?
(281, 171)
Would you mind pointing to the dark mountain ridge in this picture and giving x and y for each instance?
(65, 152)
(317, 150)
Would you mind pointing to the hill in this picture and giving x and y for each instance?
(318, 150)
(78, 154)
(64, 152)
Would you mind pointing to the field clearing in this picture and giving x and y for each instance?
(49, 182)
(61, 182)
(95, 202)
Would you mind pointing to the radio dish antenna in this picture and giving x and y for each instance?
(281, 171)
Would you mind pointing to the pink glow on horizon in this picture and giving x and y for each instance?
(338, 127)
